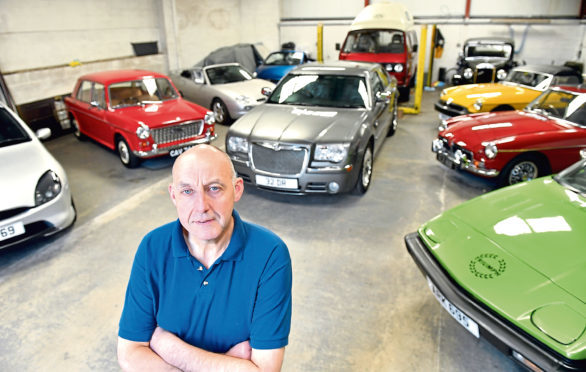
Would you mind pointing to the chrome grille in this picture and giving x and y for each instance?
(485, 75)
(278, 159)
(451, 149)
(452, 106)
(172, 133)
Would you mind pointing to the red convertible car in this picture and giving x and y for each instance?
(515, 146)
(138, 113)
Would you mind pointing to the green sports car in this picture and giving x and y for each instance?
(510, 266)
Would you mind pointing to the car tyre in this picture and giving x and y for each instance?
(76, 131)
(523, 168)
(221, 112)
(365, 174)
(393, 125)
(128, 159)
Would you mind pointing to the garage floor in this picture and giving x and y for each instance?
(359, 301)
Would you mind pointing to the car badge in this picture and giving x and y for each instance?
(487, 266)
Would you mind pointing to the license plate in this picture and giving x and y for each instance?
(456, 313)
(12, 230)
(277, 182)
(176, 152)
(446, 161)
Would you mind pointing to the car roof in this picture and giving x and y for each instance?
(114, 76)
(504, 40)
(336, 67)
(549, 69)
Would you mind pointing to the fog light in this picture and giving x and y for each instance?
(333, 187)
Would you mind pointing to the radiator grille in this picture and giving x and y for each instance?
(287, 160)
(178, 132)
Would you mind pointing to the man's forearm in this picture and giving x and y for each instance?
(190, 358)
(135, 356)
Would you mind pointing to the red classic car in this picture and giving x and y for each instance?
(138, 113)
(515, 146)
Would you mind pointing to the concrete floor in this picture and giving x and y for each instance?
(359, 301)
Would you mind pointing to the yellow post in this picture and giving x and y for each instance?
(420, 69)
(431, 56)
(320, 42)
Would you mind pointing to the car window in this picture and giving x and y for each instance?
(488, 50)
(84, 92)
(186, 74)
(376, 84)
(284, 58)
(566, 80)
(321, 90)
(11, 133)
(227, 74)
(98, 95)
(375, 41)
(138, 92)
(574, 177)
(531, 79)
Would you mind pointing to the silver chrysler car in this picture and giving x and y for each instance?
(318, 131)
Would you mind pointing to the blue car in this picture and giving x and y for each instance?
(278, 64)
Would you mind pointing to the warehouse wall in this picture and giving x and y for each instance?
(46, 44)
(551, 30)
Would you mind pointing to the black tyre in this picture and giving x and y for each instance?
(76, 131)
(221, 112)
(365, 174)
(393, 126)
(523, 168)
(125, 153)
(404, 94)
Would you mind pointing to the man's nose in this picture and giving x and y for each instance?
(200, 201)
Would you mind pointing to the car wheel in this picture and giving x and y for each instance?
(523, 168)
(393, 126)
(404, 94)
(126, 156)
(221, 112)
(365, 175)
(76, 131)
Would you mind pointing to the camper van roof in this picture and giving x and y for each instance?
(383, 15)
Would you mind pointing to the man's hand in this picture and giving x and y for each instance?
(241, 350)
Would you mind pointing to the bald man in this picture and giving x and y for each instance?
(207, 292)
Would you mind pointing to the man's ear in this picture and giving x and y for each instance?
(238, 189)
(172, 194)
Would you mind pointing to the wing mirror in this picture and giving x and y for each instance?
(45, 133)
(266, 91)
(384, 97)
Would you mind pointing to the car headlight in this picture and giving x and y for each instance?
(238, 144)
(48, 187)
(398, 67)
(468, 73)
(210, 118)
(243, 100)
(143, 132)
(389, 67)
(477, 105)
(443, 126)
(334, 152)
(501, 74)
(490, 150)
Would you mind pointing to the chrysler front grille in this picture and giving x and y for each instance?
(287, 160)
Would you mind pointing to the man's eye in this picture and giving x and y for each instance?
(215, 188)
(187, 191)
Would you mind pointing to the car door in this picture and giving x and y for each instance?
(192, 84)
(90, 110)
(380, 109)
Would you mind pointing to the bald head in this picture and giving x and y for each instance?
(204, 155)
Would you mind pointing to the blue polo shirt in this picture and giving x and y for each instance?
(244, 295)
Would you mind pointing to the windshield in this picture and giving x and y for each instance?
(375, 41)
(227, 74)
(496, 50)
(563, 105)
(574, 177)
(284, 58)
(537, 80)
(137, 92)
(11, 133)
(321, 90)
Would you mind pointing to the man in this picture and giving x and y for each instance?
(207, 292)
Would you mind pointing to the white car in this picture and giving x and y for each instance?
(228, 89)
(36, 198)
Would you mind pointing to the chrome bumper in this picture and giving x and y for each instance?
(459, 161)
(156, 151)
